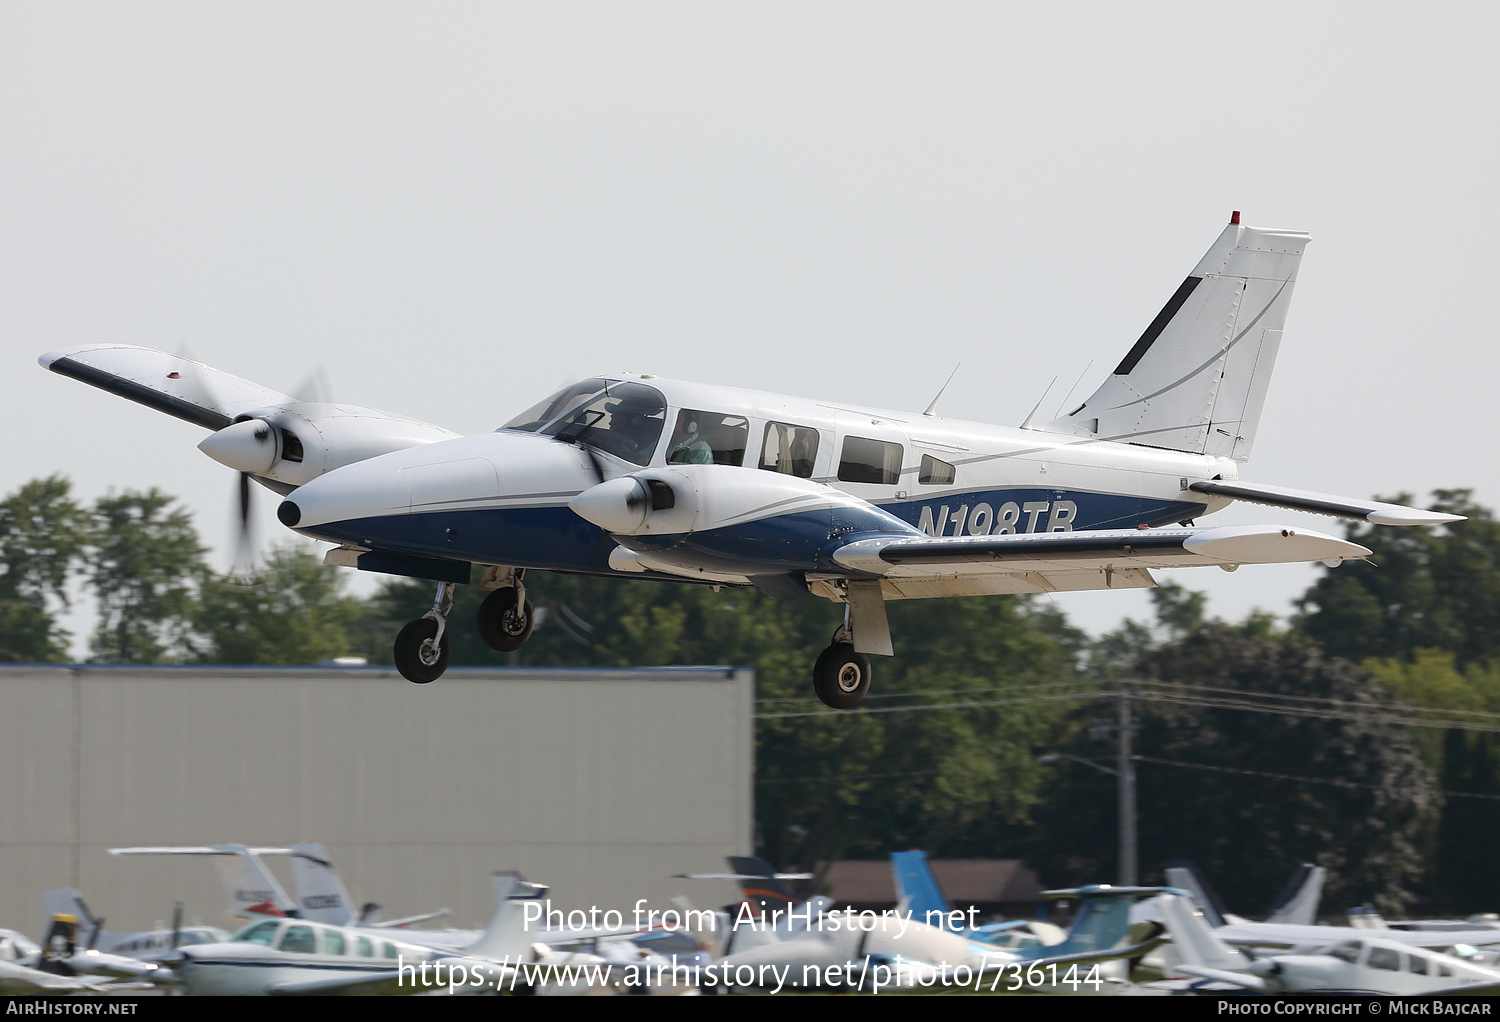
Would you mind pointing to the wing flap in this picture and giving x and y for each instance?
(1372, 511)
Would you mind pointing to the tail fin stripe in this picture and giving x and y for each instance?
(1158, 324)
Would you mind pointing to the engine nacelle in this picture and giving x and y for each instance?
(296, 443)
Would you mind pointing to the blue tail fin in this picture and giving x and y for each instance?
(917, 890)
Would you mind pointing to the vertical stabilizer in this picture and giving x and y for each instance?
(1196, 944)
(1184, 875)
(1196, 379)
(320, 892)
(1298, 901)
(918, 891)
(508, 936)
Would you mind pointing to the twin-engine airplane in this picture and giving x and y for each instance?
(634, 476)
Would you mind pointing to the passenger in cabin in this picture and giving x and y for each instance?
(691, 449)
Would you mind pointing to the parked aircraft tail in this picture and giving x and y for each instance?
(253, 890)
(1298, 900)
(1196, 379)
(1184, 874)
(320, 892)
(1195, 943)
(918, 891)
(507, 935)
(66, 901)
(760, 884)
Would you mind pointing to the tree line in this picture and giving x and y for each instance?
(1358, 737)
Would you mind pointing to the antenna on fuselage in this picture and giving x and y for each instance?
(1064, 402)
(1027, 423)
(929, 413)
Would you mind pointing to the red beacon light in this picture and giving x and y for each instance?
(1234, 218)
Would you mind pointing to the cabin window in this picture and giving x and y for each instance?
(626, 421)
(935, 473)
(388, 950)
(870, 461)
(708, 438)
(333, 942)
(538, 415)
(258, 933)
(1417, 964)
(364, 948)
(790, 450)
(1384, 958)
(298, 940)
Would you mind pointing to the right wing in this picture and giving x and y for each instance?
(1094, 559)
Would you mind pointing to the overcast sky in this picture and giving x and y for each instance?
(455, 208)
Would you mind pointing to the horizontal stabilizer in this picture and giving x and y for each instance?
(1370, 511)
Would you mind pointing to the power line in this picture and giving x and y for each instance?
(1304, 780)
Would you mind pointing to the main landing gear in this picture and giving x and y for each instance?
(841, 677)
(505, 617)
(505, 622)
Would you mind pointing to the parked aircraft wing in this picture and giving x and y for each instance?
(1103, 549)
(384, 984)
(22, 979)
(1372, 511)
(1239, 979)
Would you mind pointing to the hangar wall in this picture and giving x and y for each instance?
(601, 783)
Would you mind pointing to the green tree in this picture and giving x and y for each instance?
(146, 567)
(1216, 782)
(293, 612)
(42, 533)
(1428, 587)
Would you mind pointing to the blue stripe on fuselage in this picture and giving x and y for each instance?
(557, 538)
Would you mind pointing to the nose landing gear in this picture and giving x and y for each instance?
(422, 647)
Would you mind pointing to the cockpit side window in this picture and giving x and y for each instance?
(257, 933)
(626, 421)
(565, 400)
(708, 438)
(790, 450)
(1347, 951)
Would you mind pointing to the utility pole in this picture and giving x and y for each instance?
(1126, 784)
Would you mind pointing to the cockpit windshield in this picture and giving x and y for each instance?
(626, 421)
(565, 400)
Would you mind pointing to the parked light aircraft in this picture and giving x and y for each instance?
(144, 945)
(254, 890)
(1361, 965)
(1296, 930)
(918, 891)
(634, 476)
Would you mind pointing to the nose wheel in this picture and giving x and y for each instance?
(421, 650)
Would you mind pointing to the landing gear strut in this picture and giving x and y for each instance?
(505, 617)
(421, 651)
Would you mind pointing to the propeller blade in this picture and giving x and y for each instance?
(176, 925)
(244, 547)
(315, 388)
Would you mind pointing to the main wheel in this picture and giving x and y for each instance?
(417, 657)
(841, 676)
(503, 626)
